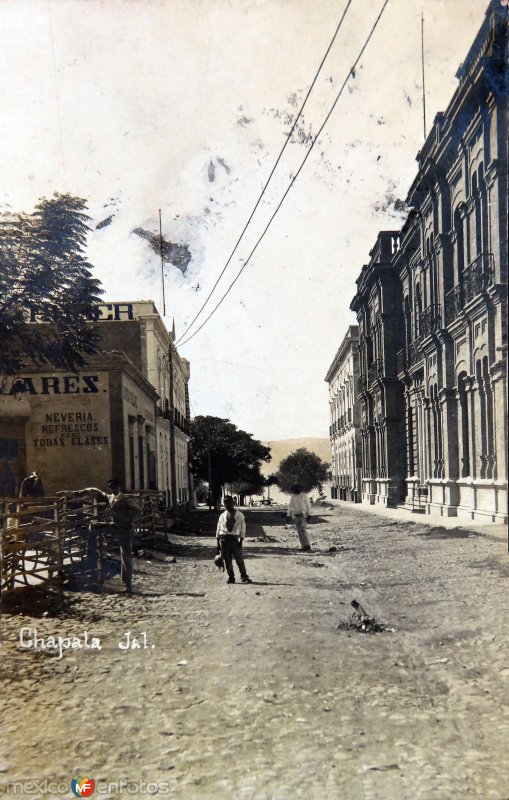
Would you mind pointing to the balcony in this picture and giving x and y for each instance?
(430, 321)
(414, 353)
(475, 279)
(381, 368)
(181, 422)
(401, 361)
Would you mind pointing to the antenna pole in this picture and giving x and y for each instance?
(162, 261)
(423, 82)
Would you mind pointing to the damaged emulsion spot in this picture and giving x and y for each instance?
(224, 165)
(177, 254)
(212, 168)
(104, 223)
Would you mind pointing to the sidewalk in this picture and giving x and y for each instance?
(487, 528)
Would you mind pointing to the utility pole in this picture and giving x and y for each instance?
(173, 460)
(268, 485)
(423, 83)
(209, 471)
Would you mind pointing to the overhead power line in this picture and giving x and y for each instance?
(278, 159)
(352, 68)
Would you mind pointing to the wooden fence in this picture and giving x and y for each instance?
(43, 538)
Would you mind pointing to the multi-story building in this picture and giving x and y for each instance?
(137, 330)
(342, 377)
(126, 414)
(378, 307)
(443, 436)
(78, 429)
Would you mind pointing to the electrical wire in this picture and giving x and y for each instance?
(271, 172)
(188, 338)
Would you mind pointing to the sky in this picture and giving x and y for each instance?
(183, 106)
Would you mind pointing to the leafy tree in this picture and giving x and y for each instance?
(45, 277)
(253, 483)
(235, 457)
(304, 468)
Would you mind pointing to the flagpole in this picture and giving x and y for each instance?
(423, 82)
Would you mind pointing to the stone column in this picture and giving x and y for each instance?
(450, 432)
(498, 373)
(490, 431)
(428, 451)
(480, 427)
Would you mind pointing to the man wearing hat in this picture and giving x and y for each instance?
(124, 513)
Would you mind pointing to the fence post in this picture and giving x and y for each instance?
(60, 533)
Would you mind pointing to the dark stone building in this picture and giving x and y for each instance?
(432, 310)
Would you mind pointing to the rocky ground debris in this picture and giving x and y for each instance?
(262, 691)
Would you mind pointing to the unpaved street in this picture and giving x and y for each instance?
(253, 691)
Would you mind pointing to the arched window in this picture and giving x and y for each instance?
(477, 228)
(464, 423)
(460, 245)
(418, 309)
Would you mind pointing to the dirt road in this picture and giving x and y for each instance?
(260, 691)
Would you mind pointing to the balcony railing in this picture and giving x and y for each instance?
(401, 361)
(430, 321)
(475, 279)
(414, 353)
(181, 422)
(454, 302)
(375, 371)
(341, 422)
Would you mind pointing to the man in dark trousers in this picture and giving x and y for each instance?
(124, 513)
(231, 530)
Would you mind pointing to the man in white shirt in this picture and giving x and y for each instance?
(231, 529)
(299, 509)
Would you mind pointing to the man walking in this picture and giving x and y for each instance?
(299, 509)
(231, 529)
(124, 512)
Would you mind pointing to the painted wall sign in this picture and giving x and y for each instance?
(104, 311)
(61, 384)
(70, 428)
(114, 311)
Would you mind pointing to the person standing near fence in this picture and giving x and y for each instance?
(32, 486)
(124, 513)
(299, 509)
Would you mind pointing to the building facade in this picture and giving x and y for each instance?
(78, 429)
(378, 308)
(138, 331)
(345, 435)
(126, 414)
(432, 310)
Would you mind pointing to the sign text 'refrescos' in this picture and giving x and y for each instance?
(73, 428)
